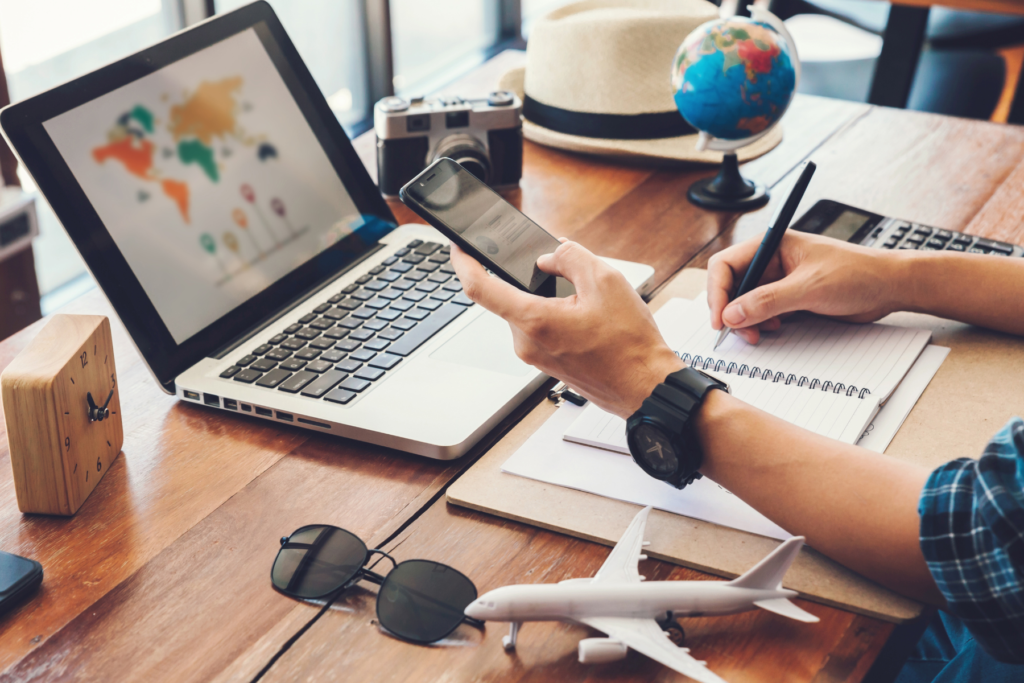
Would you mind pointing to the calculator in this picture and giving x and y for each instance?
(843, 222)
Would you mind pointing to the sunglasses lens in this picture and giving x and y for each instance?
(423, 601)
(316, 561)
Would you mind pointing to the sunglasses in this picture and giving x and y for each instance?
(419, 600)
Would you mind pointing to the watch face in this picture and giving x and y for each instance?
(654, 448)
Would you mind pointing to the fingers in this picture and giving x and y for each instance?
(571, 261)
(724, 271)
(766, 302)
(496, 295)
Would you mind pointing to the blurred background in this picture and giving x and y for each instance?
(962, 61)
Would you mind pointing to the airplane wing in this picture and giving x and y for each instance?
(621, 565)
(647, 638)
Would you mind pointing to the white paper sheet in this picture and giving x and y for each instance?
(547, 457)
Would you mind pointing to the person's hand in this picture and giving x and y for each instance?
(601, 341)
(807, 273)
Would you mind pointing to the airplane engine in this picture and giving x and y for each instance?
(601, 650)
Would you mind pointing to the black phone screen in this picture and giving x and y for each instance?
(505, 237)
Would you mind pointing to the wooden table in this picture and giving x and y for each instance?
(163, 573)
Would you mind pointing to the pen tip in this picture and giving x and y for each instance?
(721, 336)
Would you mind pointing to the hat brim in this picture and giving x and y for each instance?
(683, 148)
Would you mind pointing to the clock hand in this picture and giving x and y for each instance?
(107, 402)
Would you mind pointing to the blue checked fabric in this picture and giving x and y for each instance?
(972, 536)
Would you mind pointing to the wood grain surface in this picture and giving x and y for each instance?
(163, 573)
(55, 445)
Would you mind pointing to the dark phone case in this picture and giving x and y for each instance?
(28, 574)
(548, 288)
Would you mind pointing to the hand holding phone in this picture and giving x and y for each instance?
(475, 217)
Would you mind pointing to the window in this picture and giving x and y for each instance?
(330, 37)
(47, 42)
(433, 42)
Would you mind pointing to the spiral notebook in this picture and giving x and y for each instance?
(826, 376)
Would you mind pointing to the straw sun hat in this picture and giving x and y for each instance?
(597, 80)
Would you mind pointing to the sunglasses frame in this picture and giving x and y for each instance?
(368, 574)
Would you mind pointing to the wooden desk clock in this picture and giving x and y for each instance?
(63, 413)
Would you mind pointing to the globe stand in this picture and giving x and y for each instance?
(728, 191)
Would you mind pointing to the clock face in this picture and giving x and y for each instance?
(654, 448)
(89, 416)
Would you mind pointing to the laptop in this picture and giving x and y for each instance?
(220, 206)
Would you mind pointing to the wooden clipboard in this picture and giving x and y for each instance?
(978, 388)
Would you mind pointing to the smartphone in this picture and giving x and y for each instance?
(475, 217)
(19, 577)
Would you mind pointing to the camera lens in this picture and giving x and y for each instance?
(468, 152)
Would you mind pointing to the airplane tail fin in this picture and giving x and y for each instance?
(767, 574)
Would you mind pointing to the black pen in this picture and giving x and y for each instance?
(772, 239)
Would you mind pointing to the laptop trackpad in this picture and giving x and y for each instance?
(486, 344)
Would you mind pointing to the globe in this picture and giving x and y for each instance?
(734, 78)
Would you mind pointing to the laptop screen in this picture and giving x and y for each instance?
(208, 178)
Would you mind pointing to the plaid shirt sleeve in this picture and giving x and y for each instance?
(972, 536)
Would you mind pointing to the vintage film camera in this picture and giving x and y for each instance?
(484, 135)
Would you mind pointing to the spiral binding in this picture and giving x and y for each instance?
(755, 372)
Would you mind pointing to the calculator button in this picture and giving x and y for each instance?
(977, 250)
(927, 248)
(915, 240)
(963, 239)
(922, 230)
(909, 245)
(1001, 247)
(955, 246)
(943, 234)
(891, 242)
(936, 244)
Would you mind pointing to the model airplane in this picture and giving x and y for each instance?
(638, 615)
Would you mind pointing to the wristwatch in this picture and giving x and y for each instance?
(660, 435)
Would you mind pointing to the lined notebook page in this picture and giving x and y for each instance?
(873, 357)
(836, 416)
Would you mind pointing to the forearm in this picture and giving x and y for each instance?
(855, 506)
(984, 291)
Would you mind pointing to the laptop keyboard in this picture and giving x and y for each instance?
(363, 333)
